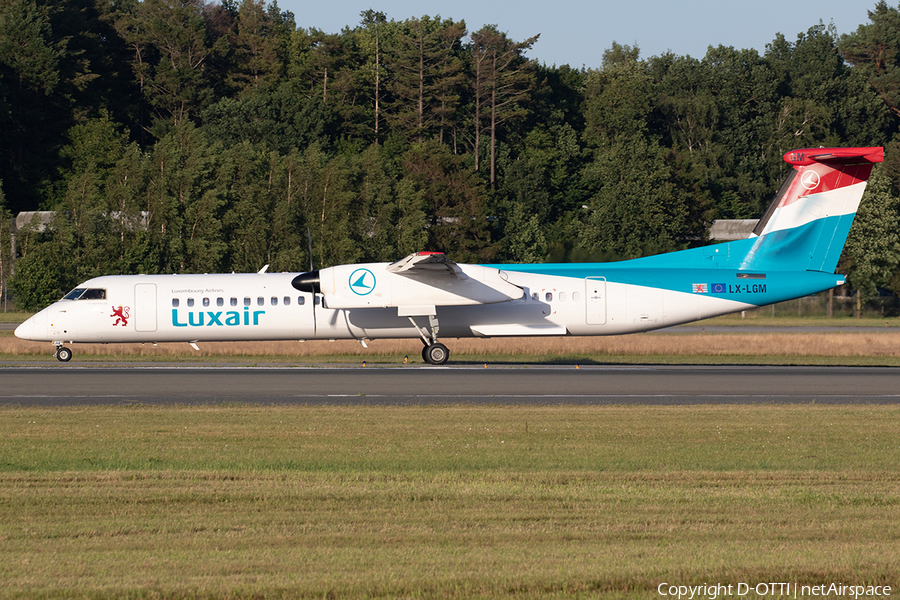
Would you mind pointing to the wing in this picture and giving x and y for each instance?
(422, 279)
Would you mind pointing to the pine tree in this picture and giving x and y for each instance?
(501, 80)
(171, 52)
(374, 24)
(258, 47)
(426, 72)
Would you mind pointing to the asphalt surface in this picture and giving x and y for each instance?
(71, 385)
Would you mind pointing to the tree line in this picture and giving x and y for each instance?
(186, 136)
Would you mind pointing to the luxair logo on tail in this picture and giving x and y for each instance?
(231, 318)
(810, 180)
(362, 282)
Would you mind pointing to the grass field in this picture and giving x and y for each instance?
(444, 502)
(243, 502)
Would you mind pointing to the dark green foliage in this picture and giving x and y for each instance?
(186, 136)
(279, 119)
(426, 71)
(43, 272)
(635, 209)
(455, 202)
(872, 253)
(5, 246)
(874, 48)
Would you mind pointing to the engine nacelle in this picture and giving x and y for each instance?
(374, 285)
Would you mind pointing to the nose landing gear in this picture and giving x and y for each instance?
(63, 354)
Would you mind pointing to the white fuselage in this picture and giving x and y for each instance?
(233, 307)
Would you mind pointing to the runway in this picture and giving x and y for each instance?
(424, 385)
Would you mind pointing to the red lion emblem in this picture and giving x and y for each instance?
(122, 313)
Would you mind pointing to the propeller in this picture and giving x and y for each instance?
(309, 282)
(309, 239)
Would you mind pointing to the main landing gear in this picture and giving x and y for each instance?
(63, 354)
(434, 352)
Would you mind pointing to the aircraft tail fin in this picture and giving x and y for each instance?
(807, 223)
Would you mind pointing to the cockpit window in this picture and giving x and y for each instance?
(86, 294)
(74, 294)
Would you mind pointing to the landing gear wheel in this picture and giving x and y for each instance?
(436, 354)
(63, 354)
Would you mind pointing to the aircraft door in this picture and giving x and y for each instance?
(595, 300)
(145, 307)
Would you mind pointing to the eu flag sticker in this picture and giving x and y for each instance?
(700, 288)
(718, 288)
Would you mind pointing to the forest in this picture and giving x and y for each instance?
(177, 136)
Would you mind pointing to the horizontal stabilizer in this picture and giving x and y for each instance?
(811, 156)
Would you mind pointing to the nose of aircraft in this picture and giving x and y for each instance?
(34, 328)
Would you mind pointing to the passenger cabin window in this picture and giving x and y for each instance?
(274, 301)
(190, 302)
(246, 300)
(576, 296)
(220, 301)
(234, 301)
(287, 300)
(535, 296)
(301, 300)
(175, 302)
(562, 296)
(548, 296)
(260, 301)
(206, 302)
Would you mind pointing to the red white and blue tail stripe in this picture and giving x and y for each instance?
(807, 224)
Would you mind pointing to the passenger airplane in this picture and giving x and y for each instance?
(792, 252)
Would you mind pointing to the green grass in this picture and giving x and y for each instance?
(443, 502)
(14, 316)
